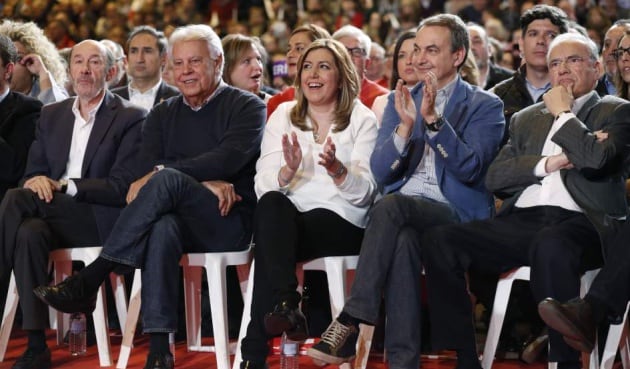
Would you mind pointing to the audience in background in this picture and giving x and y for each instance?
(403, 69)
(244, 64)
(147, 49)
(359, 45)
(120, 64)
(375, 71)
(39, 71)
(606, 84)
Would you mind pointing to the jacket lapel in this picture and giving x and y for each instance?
(456, 106)
(104, 119)
(590, 103)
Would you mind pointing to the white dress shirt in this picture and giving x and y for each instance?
(80, 136)
(551, 191)
(144, 99)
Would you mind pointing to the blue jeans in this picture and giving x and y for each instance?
(172, 214)
(390, 266)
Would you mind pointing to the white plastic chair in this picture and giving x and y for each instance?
(215, 264)
(501, 298)
(336, 268)
(62, 259)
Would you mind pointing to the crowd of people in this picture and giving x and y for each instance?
(389, 130)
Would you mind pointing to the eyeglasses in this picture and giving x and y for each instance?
(357, 52)
(618, 53)
(571, 61)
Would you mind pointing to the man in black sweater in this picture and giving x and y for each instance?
(199, 153)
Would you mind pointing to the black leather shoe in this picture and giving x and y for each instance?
(68, 296)
(248, 364)
(284, 318)
(573, 319)
(159, 361)
(33, 360)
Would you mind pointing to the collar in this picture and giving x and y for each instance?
(448, 88)
(92, 112)
(5, 94)
(578, 104)
(152, 90)
(222, 85)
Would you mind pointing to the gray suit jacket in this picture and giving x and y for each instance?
(596, 183)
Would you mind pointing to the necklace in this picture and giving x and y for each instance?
(315, 128)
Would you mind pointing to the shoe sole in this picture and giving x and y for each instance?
(551, 315)
(78, 308)
(321, 359)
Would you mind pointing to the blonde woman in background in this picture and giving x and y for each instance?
(39, 71)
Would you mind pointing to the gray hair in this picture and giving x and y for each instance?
(198, 32)
(351, 31)
(574, 37)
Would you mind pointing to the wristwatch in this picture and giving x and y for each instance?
(436, 124)
(64, 185)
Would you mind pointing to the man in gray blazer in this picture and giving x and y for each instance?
(78, 171)
(561, 175)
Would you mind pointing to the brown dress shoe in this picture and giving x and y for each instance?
(573, 319)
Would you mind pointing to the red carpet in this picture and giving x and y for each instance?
(196, 360)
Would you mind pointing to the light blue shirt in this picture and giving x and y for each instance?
(424, 181)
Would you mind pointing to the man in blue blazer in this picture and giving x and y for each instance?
(78, 172)
(432, 153)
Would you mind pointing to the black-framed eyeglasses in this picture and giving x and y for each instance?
(357, 52)
(618, 53)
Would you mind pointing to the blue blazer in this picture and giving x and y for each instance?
(465, 146)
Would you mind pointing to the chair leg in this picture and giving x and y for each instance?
(192, 299)
(616, 339)
(120, 297)
(63, 269)
(364, 343)
(10, 307)
(218, 306)
(501, 299)
(131, 321)
(101, 327)
(247, 310)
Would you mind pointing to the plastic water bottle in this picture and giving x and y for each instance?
(288, 353)
(171, 344)
(77, 335)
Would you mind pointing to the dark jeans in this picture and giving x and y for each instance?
(390, 265)
(172, 214)
(558, 245)
(29, 229)
(284, 236)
